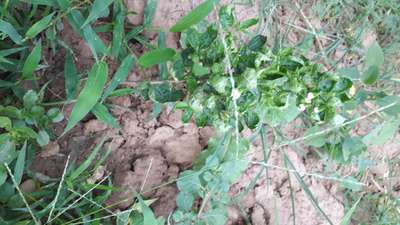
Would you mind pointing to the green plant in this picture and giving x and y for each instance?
(230, 85)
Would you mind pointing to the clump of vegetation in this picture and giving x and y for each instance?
(216, 79)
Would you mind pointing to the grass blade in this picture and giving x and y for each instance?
(155, 57)
(7, 52)
(8, 29)
(97, 9)
(118, 33)
(148, 215)
(20, 164)
(39, 26)
(195, 16)
(32, 62)
(87, 162)
(102, 113)
(163, 66)
(71, 77)
(149, 12)
(346, 218)
(306, 189)
(120, 76)
(41, 2)
(90, 94)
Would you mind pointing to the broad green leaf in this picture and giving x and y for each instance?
(89, 95)
(251, 118)
(374, 56)
(164, 92)
(195, 16)
(30, 99)
(149, 12)
(315, 141)
(352, 146)
(148, 215)
(163, 66)
(184, 200)
(123, 217)
(346, 218)
(101, 112)
(32, 62)
(274, 115)
(226, 17)
(189, 181)
(42, 138)
(39, 26)
(382, 133)
(10, 31)
(5, 122)
(20, 164)
(257, 42)
(119, 76)
(3, 175)
(98, 7)
(370, 75)
(71, 77)
(6, 191)
(349, 72)
(55, 115)
(7, 151)
(248, 23)
(118, 33)
(388, 100)
(217, 216)
(85, 165)
(155, 57)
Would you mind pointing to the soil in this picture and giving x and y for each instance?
(147, 154)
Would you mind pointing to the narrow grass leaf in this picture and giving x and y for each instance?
(148, 215)
(10, 31)
(96, 11)
(39, 26)
(149, 12)
(10, 51)
(85, 165)
(32, 62)
(163, 66)
(120, 76)
(89, 95)
(307, 190)
(20, 164)
(195, 16)
(71, 77)
(155, 57)
(3, 175)
(101, 112)
(347, 216)
(5, 84)
(41, 2)
(118, 33)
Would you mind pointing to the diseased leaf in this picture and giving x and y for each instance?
(119, 76)
(195, 16)
(32, 62)
(89, 95)
(7, 150)
(20, 164)
(10, 31)
(101, 112)
(39, 26)
(98, 7)
(155, 57)
(71, 77)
